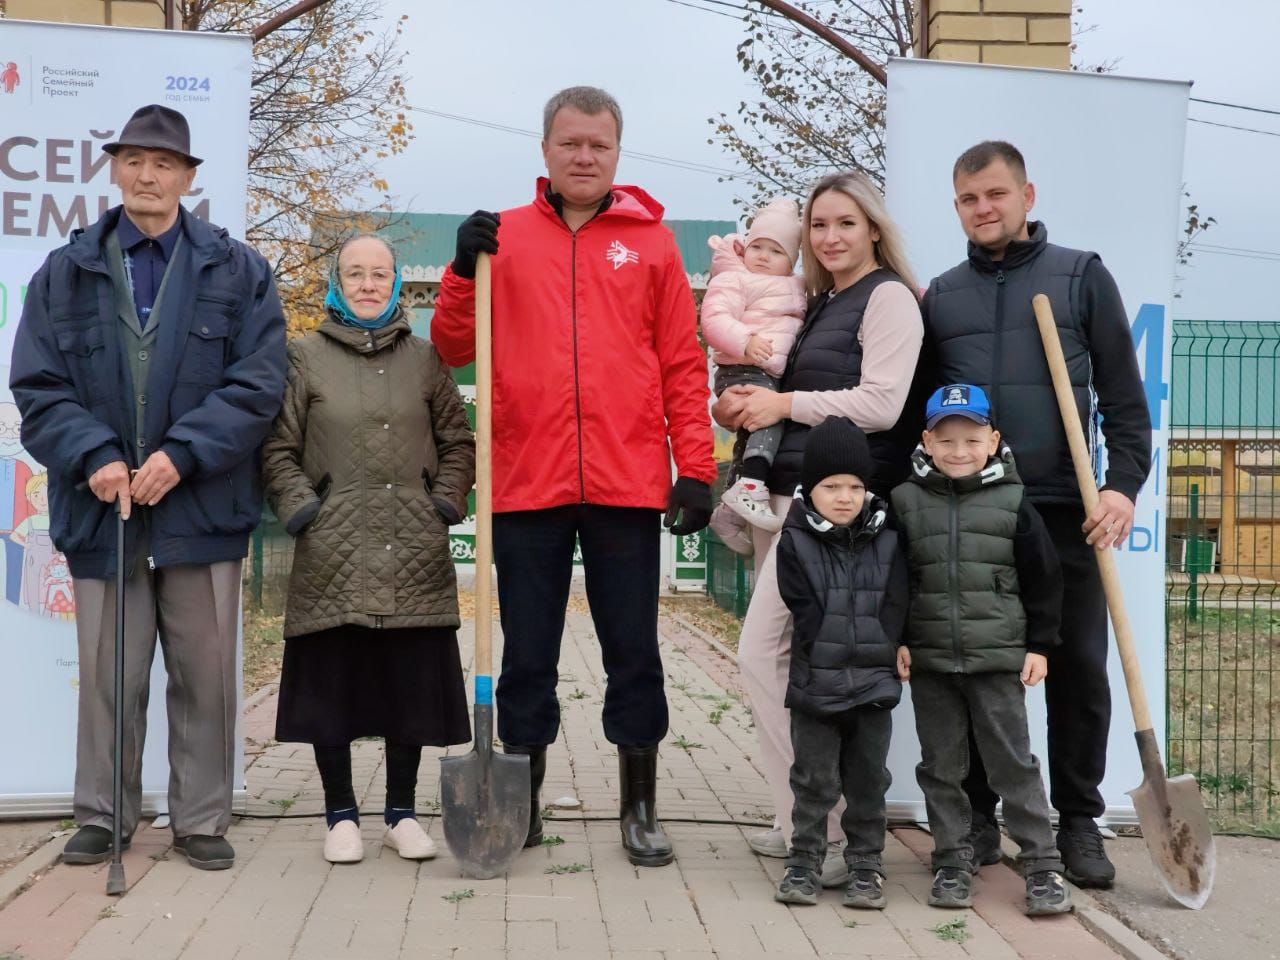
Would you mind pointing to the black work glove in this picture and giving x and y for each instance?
(478, 234)
(690, 500)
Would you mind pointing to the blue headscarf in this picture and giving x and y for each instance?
(341, 311)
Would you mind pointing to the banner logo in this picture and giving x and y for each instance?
(10, 78)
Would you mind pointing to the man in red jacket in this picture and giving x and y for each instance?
(599, 381)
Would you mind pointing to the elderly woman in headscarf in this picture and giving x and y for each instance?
(369, 462)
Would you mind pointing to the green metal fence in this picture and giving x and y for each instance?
(1222, 580)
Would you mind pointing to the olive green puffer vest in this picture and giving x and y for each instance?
(966, 615)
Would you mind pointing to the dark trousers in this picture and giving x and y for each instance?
(991, 708)
(844, 753)
(1077, 692)
(334, 764)
(533, 552)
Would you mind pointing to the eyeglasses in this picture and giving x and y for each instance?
(381, 278)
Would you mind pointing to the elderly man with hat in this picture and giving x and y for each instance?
(148, 365)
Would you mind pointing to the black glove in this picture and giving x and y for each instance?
(478, 234)
(691, 500)
(446, 510)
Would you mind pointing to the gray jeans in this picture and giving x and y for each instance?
(759, 443)
(845, 754)
(994, 705)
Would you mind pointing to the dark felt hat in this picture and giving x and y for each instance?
(836, 445)
(156, 128)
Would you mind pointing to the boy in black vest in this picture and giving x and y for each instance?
(986, 591)
(844, 579)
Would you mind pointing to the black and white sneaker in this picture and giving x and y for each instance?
(1084, 857)
(952, 888)
(799, 885)
(1047, 894)
(984, 837)
(865, 891)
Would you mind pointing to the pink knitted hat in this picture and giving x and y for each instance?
(779, 221)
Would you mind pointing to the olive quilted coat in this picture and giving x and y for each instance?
(371, 447)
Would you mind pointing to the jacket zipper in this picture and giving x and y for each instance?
(997, 350)
(577, 385)
(953, 575)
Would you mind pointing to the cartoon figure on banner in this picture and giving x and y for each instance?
(9, 78)
(57, 601)
(37, 543)
(14, 475)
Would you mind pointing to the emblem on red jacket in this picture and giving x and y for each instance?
(618, 255)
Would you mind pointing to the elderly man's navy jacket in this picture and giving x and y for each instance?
(215, 384)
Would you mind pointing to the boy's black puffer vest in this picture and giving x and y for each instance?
(980, 323)
(848, 662)
(966, 614)
(828, 356)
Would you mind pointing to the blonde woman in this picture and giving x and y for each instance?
(854, 357)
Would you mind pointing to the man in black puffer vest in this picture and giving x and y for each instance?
(844, 579)
(980, 329)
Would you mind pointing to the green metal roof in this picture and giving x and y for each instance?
(425, 241)
(1224, 379)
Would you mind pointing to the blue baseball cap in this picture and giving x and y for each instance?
(958, 400)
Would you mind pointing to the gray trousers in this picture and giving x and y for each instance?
(758, 443)
(845, 754)
(947, 705)
(195, 611)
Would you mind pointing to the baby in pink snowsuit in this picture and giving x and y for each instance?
(753, 308)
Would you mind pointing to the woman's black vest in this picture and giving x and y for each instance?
(828, 356)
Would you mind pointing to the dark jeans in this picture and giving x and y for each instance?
(844, 753)
(533, 551)
(757, 443)
(1077, 692)
(990, 707)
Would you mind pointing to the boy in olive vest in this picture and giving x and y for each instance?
(986, 596)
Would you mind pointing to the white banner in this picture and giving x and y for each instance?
(64, 92)
(1105, 154)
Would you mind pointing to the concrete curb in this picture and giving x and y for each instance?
(258, 696)
(701, 634)
(21, 875)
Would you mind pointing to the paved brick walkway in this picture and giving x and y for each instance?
(282, 900)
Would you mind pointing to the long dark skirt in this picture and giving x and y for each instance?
(349, 682)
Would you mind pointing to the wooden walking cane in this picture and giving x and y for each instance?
(484, 796)
(1170, 810)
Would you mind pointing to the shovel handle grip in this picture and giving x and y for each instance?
(484, 480)
(1089, 491)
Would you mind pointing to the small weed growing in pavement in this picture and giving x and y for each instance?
(578, 694)
(551, 840)
(108, 913)
(684, 744)
(62, 825)
(682, 686)
(851, 924)
(432, 806)
(547, 811)
(559, 868)
(284, 803)
(459, 895)
(957, 930)
(723, 706)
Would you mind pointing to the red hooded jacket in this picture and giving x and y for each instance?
(596, 360)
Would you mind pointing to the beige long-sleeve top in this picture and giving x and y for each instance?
(891, 334)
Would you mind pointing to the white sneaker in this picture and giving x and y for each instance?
(749, 499)
(768, 843)
(343, 844)
(835, 872)
(409, 840)
(732, 529)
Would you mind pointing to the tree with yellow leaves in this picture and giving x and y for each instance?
(328, 102)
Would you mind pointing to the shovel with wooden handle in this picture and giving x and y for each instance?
(1170, 810)
(484, 795)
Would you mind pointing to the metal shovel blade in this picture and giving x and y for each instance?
(1176, 827)
(484, 802)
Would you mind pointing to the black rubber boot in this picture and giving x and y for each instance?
(537, 771)
(642, 836)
